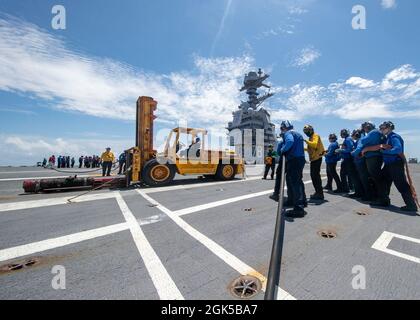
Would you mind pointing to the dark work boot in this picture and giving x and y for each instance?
(409, 209)
(295, 213)
(381, 203)
(317, 196)
(355, 196)
(410, 204)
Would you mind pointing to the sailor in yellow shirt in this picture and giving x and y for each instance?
(107, 159)
(316, 150)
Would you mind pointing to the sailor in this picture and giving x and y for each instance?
(193, 150)
(316, 150)
(107, 160)
(292, 148)
(331, 159)
(270, 162)
(347, 162)
(363, 187)
(394, 160)
(72, 162)
(59, 161)
(121, 162)
(44, 162)
(374, 161)
(68, 161)
(86, 160)
(80, 161)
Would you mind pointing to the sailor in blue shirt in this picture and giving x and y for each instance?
(361, 173)
(347, 163)
(331, 159)
(374, 161)
(293, 149)
(393, 171)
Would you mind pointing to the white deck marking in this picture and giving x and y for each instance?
(21, 205)
(163, 282)
(48, 177)
(196, 185)
(214, 204)
(13, 172)
(215, 248)
(36, 247)
(9, 206)
(384, 240)
(53, 243)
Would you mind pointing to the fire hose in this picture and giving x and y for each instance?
(273, 278)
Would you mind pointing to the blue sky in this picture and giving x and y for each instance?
(73, 91)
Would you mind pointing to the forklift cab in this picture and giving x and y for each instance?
(185, 144)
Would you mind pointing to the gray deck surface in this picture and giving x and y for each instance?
(193, 252)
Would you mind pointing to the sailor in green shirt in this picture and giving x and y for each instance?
(270, 162)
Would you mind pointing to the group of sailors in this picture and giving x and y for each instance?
(106, 161)
(371, 160)
(90, 161)
(65, 162)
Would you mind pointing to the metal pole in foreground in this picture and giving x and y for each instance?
(277, 249)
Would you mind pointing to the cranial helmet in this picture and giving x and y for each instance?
(356, 134)
(308, 130)
(332, 136)
(286, 124)
(344, 133)
(387, 125)
(368, 125)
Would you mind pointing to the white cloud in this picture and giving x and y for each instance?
(38, 64)
(27, 150)
(287, 29)
(221, 26)
(297, 10)
(388, 4)
(360, 82)
(306, 57)
(360, 110)
(397, 95)
(20, 111)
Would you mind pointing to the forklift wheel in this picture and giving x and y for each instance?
(226, 171)
(155, 174)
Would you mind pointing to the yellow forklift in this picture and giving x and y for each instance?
(147, 166)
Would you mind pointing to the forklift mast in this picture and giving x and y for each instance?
(137, 156)
(146, 107)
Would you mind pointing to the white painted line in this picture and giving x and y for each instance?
(21, 205)
(214, 204)
(384, 240)
(36, 247)
(48, 177)
(13, 172)
(196, 185)
(163, 282)
(215, 248)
